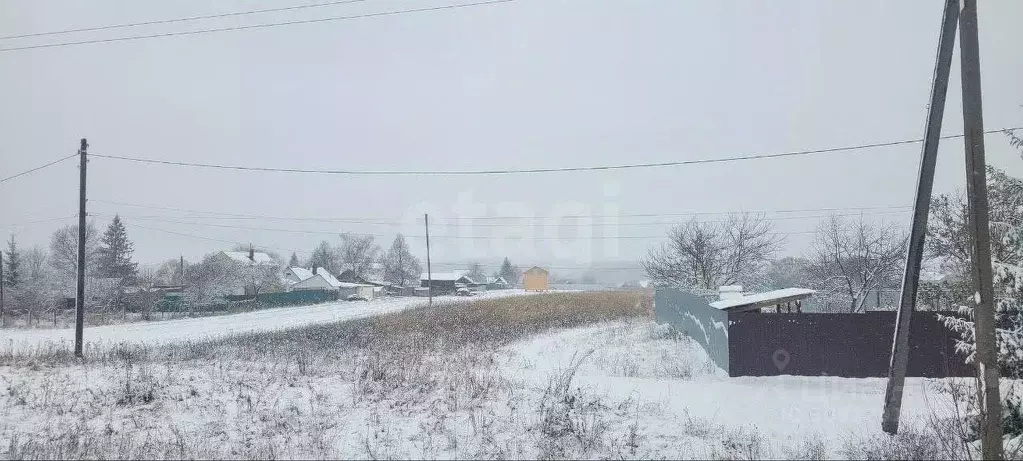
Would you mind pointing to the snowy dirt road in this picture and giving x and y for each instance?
(194, 329)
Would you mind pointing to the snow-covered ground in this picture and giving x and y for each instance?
(682, 391)
(196, 329)
(637, 392)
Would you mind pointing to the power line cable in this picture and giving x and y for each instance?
(23, 173)
(256, 26)
(484, 218)
(46, 220)
(185, 19)
(455, 237)
(528, 170)
(214, 239)
(599, 224)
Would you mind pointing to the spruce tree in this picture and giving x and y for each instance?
(509, 272)
(12, 273)
(115, 253)
(294, 260)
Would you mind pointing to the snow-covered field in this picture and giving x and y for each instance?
(624, 388)
(197, 329)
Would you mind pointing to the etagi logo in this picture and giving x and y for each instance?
(568, 230)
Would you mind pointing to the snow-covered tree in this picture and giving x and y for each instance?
(168, 272)
(35, 262)
(293, 262)
(209, 279)
(1005, 196)
(510, 273)
(476, 272)
(400, 266)
(325, 256)
(787, 272)
(12, 271)
(706, 255)
(358, 253)
(851, 261)
(115, 251)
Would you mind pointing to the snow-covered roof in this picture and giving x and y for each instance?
(444, 276)
(243, 257)
(497, 280)
(301, 273)
(763, 299)
(333, 281)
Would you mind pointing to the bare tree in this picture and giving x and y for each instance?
(326, 256)
(706, 254)
(169, 272)
(64, 250)
(476, 272)
(852, 260)
(358, 253)
(209, 279)
(262, 278)
(144, 299)
(400, 267)
(35, 262)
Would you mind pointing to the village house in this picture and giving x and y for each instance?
(535, 279)
(321, 279)
(445, 282)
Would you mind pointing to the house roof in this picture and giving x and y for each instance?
(445, 276)
(535, 269)
(758, 300)
(330, 280)
(258, 257)
(301, 273)
(496, 280)
(333, 281)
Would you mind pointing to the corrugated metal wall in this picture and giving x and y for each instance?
(695, 318)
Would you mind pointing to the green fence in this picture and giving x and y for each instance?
(176, 303)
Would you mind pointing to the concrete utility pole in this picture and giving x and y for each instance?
(2, 289)
(980, 238)
(80, 296)
(429, 271)
(921, 206)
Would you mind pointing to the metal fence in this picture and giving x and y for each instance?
(810, 344)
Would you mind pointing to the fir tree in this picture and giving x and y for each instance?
(509, 272)
(115, 253)
(294, 260)
(12, 273)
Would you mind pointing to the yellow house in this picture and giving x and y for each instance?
(535, 279)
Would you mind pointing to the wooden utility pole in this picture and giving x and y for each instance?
(921, 206)
(80, 296)
(980, 238)
(181, 270)
(429, 271)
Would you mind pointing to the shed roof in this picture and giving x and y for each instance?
(765, 299)
(445, 276)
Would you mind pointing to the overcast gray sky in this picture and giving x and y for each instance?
(525, 84)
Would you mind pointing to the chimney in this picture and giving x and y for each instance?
(252, 254)
(314, 270)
